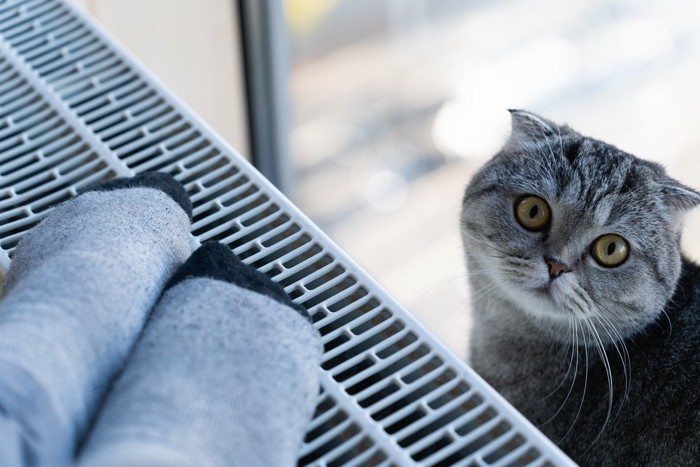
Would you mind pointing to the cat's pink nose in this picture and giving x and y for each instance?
(556, 268)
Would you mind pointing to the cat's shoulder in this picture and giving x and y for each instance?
(675, 334)
(687, 294)
(690, 268)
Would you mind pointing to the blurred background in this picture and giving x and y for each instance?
(371, 115)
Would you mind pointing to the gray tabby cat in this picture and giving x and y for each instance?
(586, 317)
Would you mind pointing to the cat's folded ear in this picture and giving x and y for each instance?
(678, 197)
(528, 128)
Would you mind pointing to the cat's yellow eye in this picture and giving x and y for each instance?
(610, 250)
(532, 213)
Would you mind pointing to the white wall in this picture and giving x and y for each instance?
(192, 46)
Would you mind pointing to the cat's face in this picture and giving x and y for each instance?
(568, 228)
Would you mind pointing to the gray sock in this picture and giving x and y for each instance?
(225, 373)
(76, 297)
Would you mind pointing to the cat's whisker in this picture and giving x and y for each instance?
(459, 275)
(471, 299)
(622, 360)
(619, 337)
(575, 343)
(481, 255)
(575, 347)
(520, 261)
(454, 313)
(608, 371)
(626, 360)
(668, 318)
(670, 324)
(447, 279)
(585, 384)
(481, 292)
(470, 274)
(513, 271)
(570, 346)
(566, 351)
(484, 243)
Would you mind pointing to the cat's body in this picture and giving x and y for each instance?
(658, 423)
(604, 360)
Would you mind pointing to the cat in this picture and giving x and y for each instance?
(585, 315)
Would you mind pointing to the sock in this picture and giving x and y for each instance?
(225, 373)
(77, 295)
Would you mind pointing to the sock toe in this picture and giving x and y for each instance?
(224, 373)
(216, 261)
(158, 180)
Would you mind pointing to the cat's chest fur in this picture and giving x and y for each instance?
(654, 416)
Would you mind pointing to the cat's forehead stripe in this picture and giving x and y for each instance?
(572, 151)
(598, 172)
